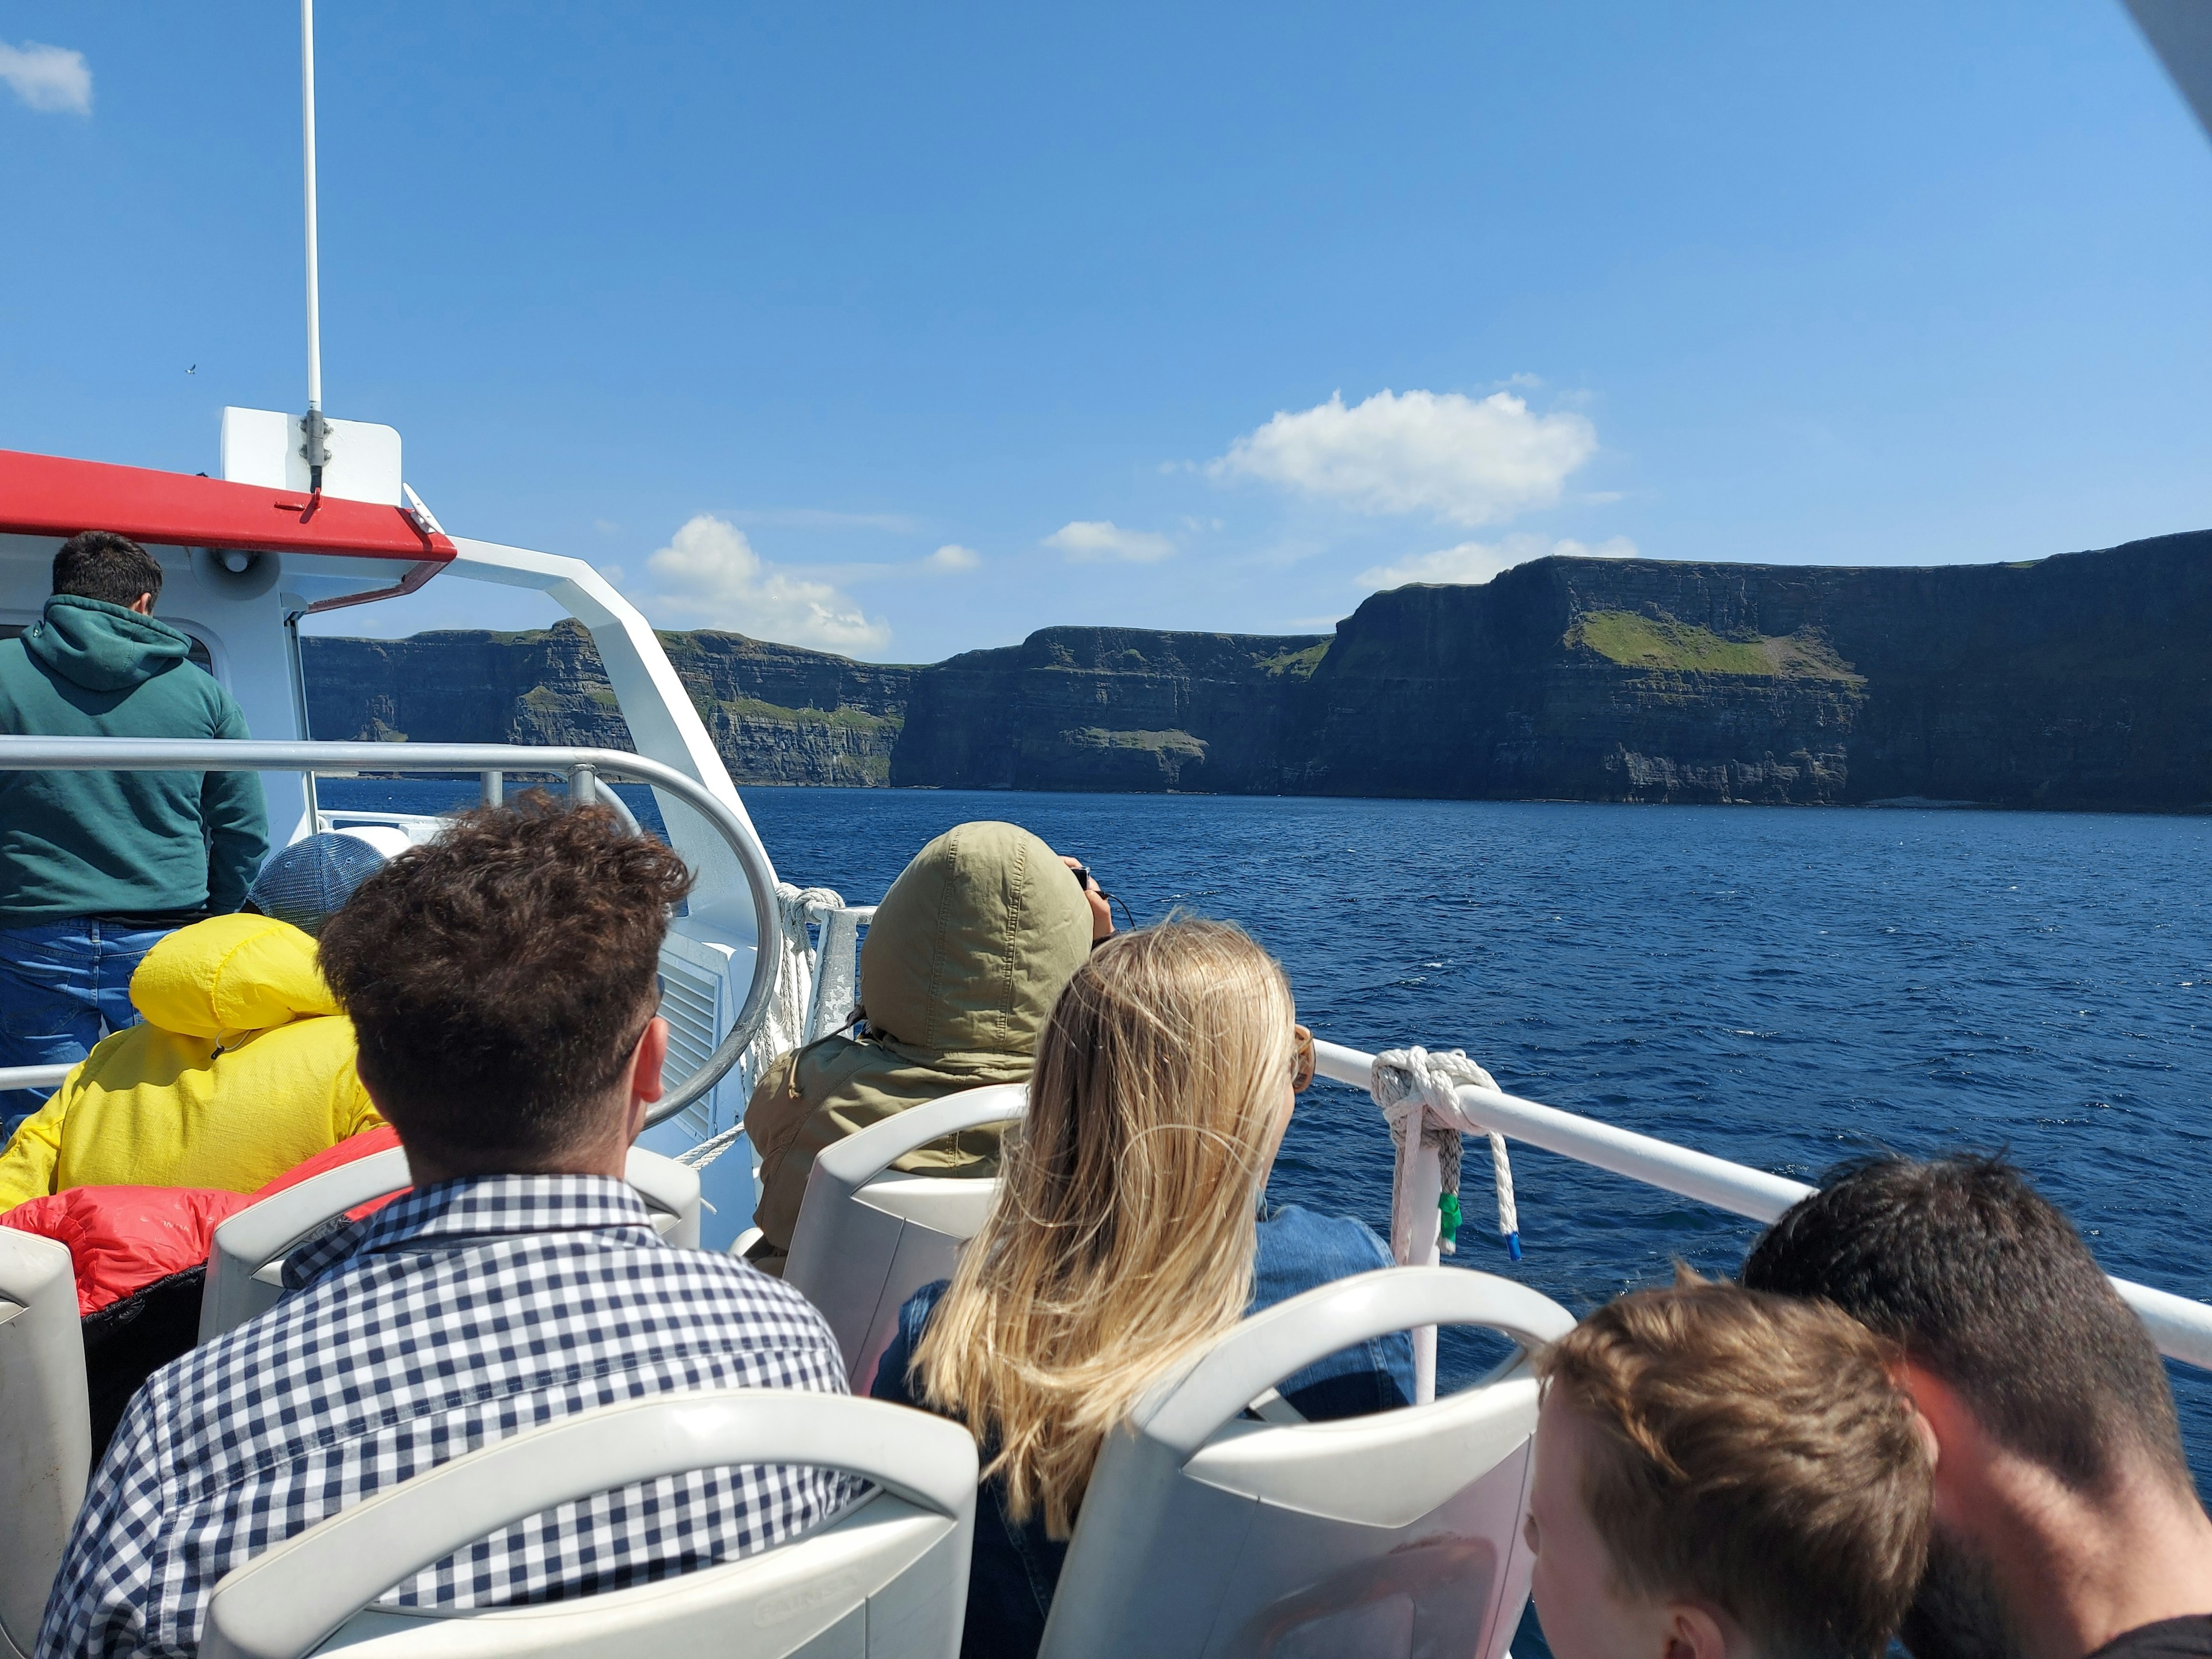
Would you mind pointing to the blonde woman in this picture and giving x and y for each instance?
(1127, 1234)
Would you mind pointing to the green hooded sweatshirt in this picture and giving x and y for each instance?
(968, 953)
(118, 843)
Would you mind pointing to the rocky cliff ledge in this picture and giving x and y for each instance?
(777, 713)
(1120, 708)
(2079, 681)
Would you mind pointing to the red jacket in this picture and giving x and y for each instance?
(121, 1239)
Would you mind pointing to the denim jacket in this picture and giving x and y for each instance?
(1016, 1568)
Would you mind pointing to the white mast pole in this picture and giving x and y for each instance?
(314, 420)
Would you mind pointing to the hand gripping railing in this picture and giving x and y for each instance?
(583, 766)
(2182, 1328)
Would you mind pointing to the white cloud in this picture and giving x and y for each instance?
(1466, 461)
(1086, 541)
(709, 576)
(47, 78)
(1478, 561)
(954, 557)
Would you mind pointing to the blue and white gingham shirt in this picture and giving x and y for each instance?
(459, 1315)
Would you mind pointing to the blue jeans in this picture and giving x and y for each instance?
(60, 982)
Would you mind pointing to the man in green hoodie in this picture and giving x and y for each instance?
(96, 866)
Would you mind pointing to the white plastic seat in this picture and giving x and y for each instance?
(45, 1428)
(1203, 1533)
(868, 1235)
(245, 1266)
(885, 1578)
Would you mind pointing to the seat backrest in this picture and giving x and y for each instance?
(1204, 1533)
(245, 1268)
(868, 1235)
(885, 1578)
(45, 1428)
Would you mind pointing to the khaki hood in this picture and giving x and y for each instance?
(230, 975)
(973, 944)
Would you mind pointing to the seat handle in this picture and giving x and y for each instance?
(282, 1604)
(1184, 1410)
(264, 1232)
(248, 1241)
(860, 1158)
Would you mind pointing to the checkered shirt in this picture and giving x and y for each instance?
(460, 1314)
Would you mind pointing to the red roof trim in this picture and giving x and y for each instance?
(48, 496)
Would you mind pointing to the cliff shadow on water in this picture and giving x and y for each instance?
(2079, 681)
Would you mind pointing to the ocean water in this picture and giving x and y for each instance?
(1783, 988)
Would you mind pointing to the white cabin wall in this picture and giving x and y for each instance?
(252, 660)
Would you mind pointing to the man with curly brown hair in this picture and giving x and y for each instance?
(502, 983)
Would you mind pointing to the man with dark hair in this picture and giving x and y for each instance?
(501, 984)
(2066, 1523)
(96, 866)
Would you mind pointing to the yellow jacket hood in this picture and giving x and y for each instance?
(230, 975)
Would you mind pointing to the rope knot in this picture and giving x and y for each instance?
(1419, 1094)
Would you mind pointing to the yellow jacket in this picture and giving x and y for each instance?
(244, 1067)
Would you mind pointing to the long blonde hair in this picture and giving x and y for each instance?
(1121, 1238)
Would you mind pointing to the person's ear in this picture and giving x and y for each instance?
(1692, 1632)
(652, 1056)
(143, 604)
(645, 1064)
(1938, 1412)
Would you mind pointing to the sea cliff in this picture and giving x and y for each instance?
(2077, 681)
(778, 714)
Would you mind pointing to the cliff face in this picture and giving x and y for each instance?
(777, 713)
(1117, 708)
(2078, 681)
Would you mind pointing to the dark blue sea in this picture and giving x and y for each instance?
(1783, 988)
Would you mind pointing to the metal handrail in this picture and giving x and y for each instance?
(193, 754)
(34, 1077)
(2182, 1328)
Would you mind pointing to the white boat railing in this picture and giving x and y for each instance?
(34, 1077)
(489, 762)
(2182, 1328)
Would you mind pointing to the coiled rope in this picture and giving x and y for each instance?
(1419, 1094)
(786, 1024)
(1411, 1085)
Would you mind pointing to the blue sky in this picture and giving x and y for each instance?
(765, 310)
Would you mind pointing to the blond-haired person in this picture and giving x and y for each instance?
(1126, 1235)
(1725, 1474)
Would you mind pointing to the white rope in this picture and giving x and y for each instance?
(786, 1024)
(1410, 1084)
(699, 1156)
(1419, 1094)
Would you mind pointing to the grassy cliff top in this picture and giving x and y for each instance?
(1636, 641)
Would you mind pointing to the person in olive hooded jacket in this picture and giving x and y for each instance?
(96, 866)
(966, 954)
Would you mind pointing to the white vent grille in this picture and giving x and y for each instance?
(689, 1002)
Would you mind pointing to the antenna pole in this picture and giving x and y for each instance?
(313, 424)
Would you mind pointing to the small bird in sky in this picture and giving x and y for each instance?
(194, 369)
